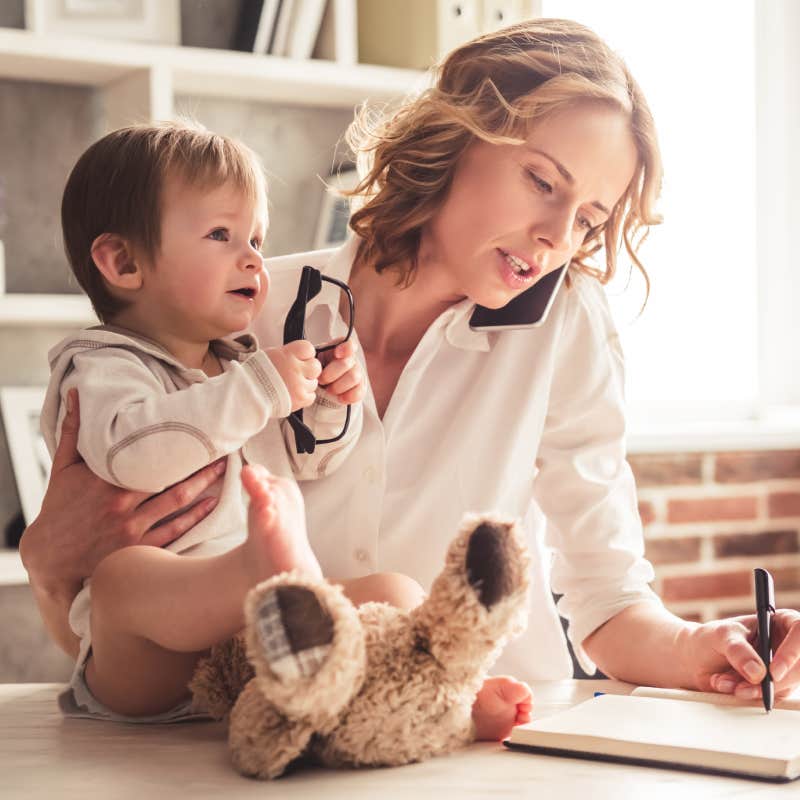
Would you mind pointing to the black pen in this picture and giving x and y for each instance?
(765, 607)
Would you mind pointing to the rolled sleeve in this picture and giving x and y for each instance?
(584, 484)
(138, 436)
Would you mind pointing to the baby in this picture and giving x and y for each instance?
(163, 227)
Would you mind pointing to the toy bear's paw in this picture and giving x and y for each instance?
(487, 562)
(294, 630)
(305, 642)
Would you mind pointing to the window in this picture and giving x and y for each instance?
(710, 344)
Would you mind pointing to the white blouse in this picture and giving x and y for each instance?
(527, 422)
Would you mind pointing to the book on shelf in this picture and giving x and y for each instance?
(256, 25)
(283, 26)
(338, 40)
(417, 33)
(414, 33)
(696, 731)
(500, 13)
(304, 29)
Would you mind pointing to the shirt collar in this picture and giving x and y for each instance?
(458, 332)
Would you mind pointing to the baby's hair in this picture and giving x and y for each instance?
(492, 89)
(117, 185)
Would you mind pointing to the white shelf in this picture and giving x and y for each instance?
(40, 310)
(12, 573)
(200, 71)
(776, 430)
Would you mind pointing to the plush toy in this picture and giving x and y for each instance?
(315, 677)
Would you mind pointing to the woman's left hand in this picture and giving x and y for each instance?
(721, 655)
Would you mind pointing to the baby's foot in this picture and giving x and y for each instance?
(277, 539)
(502, 703)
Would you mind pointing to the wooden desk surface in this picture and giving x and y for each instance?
(43, 755)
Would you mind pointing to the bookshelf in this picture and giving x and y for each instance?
(45, 310)
(139, 81)
(157, 73)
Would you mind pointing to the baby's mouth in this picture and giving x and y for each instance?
(250, 293)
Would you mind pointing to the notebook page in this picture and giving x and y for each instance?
(789, 703)
(677, 723)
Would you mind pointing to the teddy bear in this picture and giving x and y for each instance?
(314, 678)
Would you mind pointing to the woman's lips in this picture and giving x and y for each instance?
(512, 278)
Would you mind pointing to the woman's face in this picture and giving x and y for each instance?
(516, 212)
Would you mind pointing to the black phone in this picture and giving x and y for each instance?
(526, 310)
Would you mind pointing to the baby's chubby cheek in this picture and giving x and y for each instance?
(263, 289)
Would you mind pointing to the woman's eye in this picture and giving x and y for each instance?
(540, 184)
(584, 223)
(219, 235)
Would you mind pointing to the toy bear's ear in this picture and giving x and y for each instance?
(487, 564)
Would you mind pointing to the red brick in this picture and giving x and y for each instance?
(786, 579)
(710, 509)
(758, 466)
(698, 587)
(673, 551)
(667, 470)
(755, 544)
(736, 612)
(647, 512)
(784, 504)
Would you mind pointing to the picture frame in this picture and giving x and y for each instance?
(21, 408)
(334, 214)
(149, 21)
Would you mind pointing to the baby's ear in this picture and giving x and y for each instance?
(114, 258)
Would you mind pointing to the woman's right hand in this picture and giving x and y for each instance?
(83, 518)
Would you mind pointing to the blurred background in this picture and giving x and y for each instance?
(713, 363)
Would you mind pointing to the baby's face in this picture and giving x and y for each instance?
(208, 279)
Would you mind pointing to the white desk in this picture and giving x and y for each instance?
(45, 756)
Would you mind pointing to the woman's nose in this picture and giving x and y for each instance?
(555, 230)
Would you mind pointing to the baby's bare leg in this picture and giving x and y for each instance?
(384, 587)
(154, 612)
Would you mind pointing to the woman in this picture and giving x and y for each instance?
(534, 149)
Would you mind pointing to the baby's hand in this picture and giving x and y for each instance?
(297, 364)
(502, 703)
(342, 376)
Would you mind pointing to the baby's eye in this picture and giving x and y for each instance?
(255, 244)
(219, 235)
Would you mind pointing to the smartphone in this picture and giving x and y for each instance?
(527, 310)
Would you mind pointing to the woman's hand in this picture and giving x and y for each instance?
(722, 657)
(83, 518)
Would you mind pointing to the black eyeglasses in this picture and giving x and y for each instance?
(295, 328)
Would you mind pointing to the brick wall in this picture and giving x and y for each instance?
(709, 518)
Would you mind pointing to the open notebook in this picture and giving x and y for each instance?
(674, 728)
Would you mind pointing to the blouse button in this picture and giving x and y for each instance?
(361, 554)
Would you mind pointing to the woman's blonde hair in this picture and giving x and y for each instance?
(492, 88)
